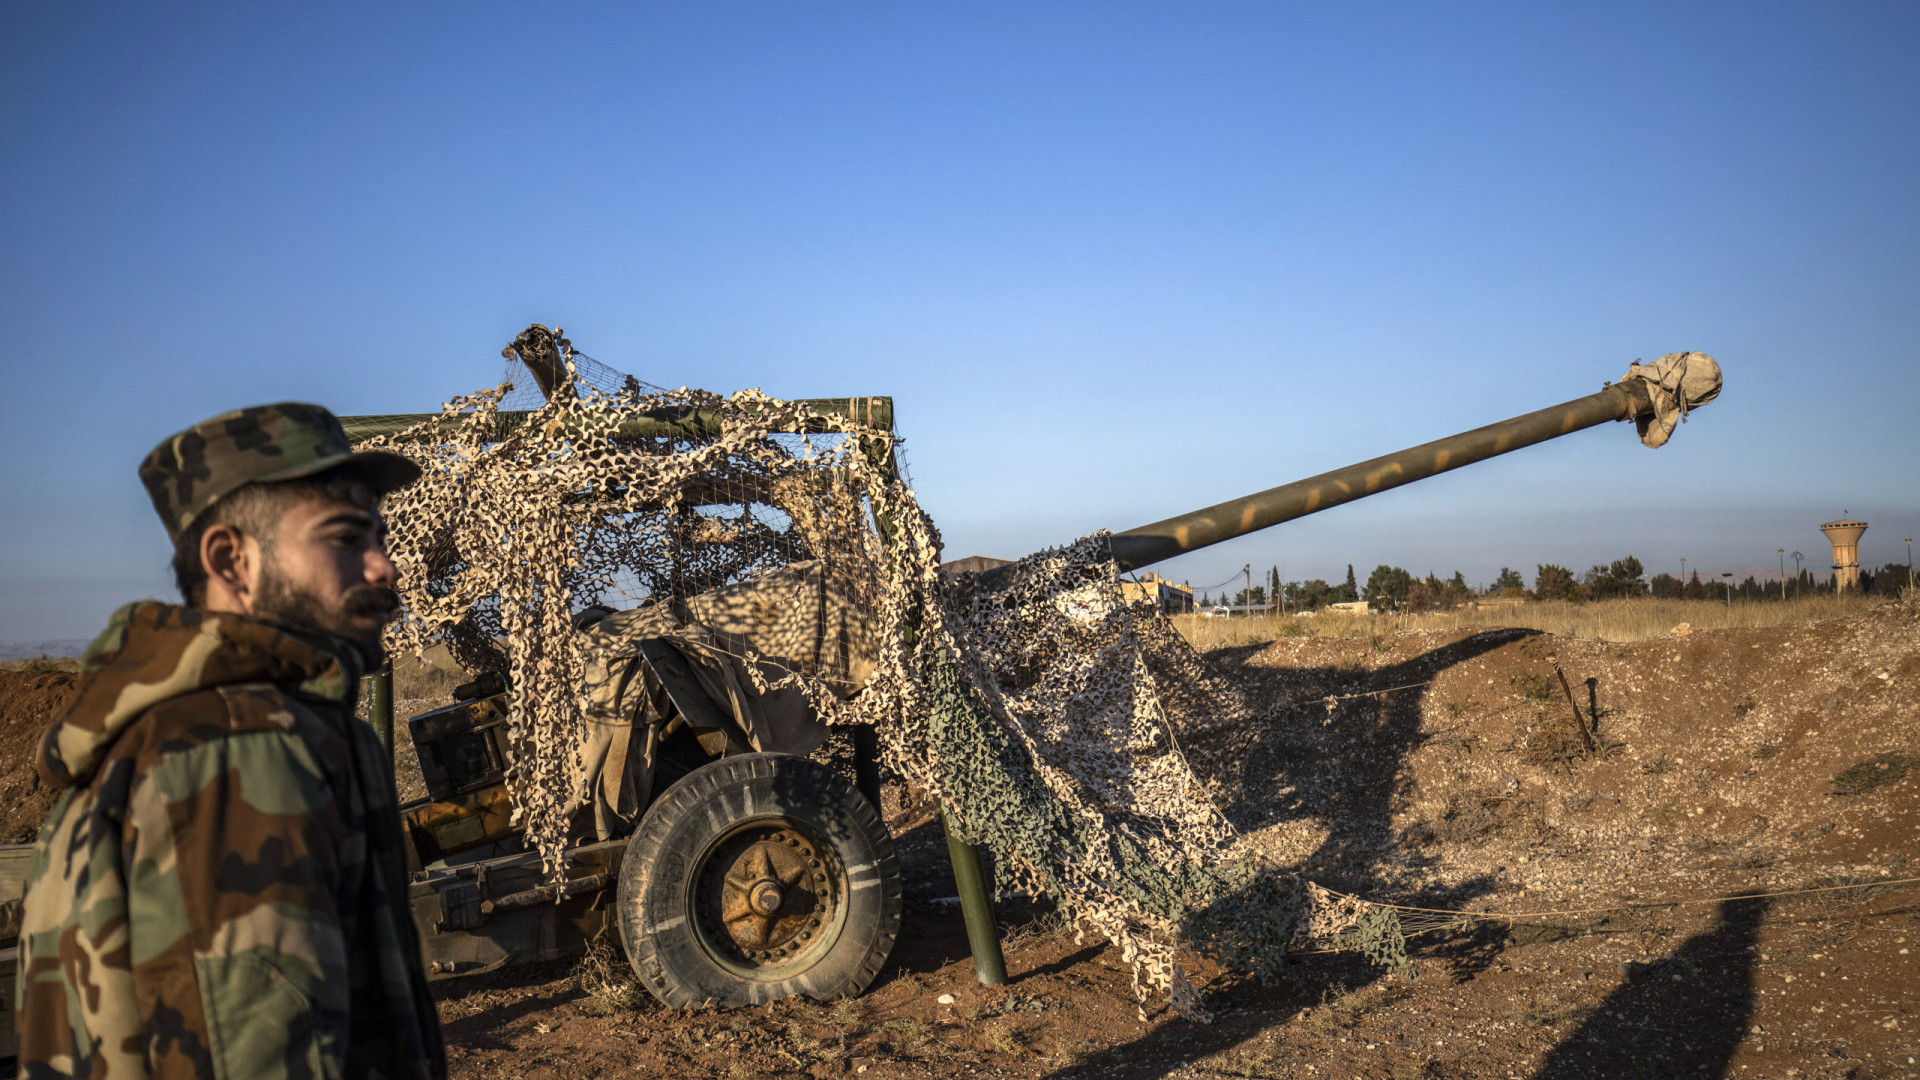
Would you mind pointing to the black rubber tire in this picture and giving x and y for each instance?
(677, 941)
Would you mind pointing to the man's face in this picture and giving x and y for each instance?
(326, 569)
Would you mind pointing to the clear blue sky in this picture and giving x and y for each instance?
(1112, 261)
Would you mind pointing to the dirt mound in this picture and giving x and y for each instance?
(1458, 764)
(1457, 770)
(29, 699)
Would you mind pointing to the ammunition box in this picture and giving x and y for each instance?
(461, 747)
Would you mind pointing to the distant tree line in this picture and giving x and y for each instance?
(1391, 588)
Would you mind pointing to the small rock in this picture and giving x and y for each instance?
(946, 999)
(1683, 630)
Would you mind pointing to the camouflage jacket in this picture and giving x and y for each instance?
(221, 889)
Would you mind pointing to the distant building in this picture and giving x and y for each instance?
(1350, 607)
(1171, 597)
(1496, 603)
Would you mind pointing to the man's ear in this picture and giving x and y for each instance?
(228, 558)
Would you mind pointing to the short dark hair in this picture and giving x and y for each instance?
(255, 510)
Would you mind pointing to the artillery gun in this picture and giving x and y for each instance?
(748, 871)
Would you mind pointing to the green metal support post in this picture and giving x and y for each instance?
(970, 880)
(380, 706)
(969, 875)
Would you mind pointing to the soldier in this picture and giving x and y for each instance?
(221, 889)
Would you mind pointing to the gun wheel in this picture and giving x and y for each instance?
(758, 877)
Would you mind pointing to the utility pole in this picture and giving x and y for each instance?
(1249, 570)
(1783, 573)
(1796, 574)
(1909, 564)
(1729, 576)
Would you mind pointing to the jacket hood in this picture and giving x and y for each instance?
(151, 652)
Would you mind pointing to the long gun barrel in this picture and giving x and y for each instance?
(1629, 399)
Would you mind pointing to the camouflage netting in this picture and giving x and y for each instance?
(1044, 715)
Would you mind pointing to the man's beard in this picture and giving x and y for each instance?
(280, 601)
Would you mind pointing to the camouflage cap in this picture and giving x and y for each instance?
(196, 468)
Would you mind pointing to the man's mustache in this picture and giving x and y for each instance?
(364, 600)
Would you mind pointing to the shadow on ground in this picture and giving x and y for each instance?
(529, 988)
(1343, 766)
(1683, 1015)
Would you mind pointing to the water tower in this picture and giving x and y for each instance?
(1845, 537)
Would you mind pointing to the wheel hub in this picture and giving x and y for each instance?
(766, 894)
(765, 897)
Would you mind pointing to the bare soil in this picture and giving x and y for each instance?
(1723, 763)
(31, 692)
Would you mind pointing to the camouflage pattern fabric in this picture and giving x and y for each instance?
(1677, 383)
(1046, 717)
(221, 889)
(194, 469)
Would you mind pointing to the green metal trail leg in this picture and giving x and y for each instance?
(380, 706)
(970, 880)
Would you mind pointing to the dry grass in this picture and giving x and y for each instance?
(42, 665)
(1877, 771)
(1606, 620)
(907, 1034)
(1074, 1052)
(1004, 1040)
(848, 1013)
(1254, 1062)
(603, 975)
(1340, 1009)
